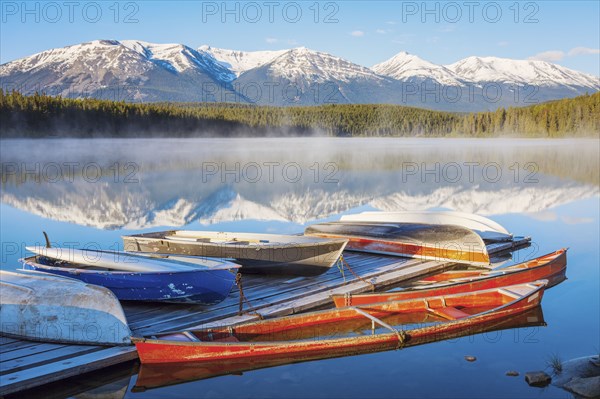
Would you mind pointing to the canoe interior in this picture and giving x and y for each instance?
(229, 238)
(256, 253)
(551, 267)
(347, 322)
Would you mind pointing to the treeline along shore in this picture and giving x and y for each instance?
(42, 116)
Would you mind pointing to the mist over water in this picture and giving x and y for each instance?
(93, 191)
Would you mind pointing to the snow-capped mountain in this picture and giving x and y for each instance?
(240, 61)
(133, 70)
(408, 67)
(128, 70)
(179, 58)
(306, 77)
(507, 71)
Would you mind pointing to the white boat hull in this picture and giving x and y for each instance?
(486, 228)
(42, 307)
(123, 261)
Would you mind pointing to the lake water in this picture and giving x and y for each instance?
(90, 192)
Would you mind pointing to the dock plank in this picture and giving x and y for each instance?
(44, 374)
(29, 350)
(56, 354)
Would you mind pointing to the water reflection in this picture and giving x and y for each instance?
(136, 184)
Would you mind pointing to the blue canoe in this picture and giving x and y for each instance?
(200, 281)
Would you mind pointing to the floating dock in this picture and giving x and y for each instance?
(26, 364)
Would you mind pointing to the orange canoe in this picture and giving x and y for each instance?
(551, 267)
(302, 334)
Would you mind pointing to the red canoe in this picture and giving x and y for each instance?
(299, 335)
(152, 376)
(551, 267)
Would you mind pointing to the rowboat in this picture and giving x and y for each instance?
(152, 376)
(44, 307)
(139, 278)
(257, 253)
(551, 267)
(421, 241)
(486, 228)
(298, 335)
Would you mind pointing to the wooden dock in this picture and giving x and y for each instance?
(26, 364)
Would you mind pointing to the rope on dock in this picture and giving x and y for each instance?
(356, 275)
(251, 309)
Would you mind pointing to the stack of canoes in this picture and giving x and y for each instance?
(200, 267)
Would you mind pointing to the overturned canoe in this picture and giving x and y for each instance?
(421, 241)
(151, 376)
(43, 307)
(550, 267)
(298, 335)
(204, 281)
(486, 228)
(257, 253)
(115, 260)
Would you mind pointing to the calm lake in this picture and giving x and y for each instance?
(90, 192)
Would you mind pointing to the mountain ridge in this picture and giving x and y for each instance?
(146, 71)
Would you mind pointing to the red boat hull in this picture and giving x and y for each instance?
(159, 375)
(551, 267)
(283, 334)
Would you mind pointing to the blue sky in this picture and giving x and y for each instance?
(567, 33)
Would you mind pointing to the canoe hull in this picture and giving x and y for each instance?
(553, 270)
(420, 241)
(43, 307)
(486, 228)
(171, 351)
(202, 286)
(152, 376)
(293, 258)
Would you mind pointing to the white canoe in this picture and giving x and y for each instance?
(486, 228)
(43, 307)
(123, 261)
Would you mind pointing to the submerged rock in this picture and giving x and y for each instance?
(537, 378)
(512, 373)
(580, 376)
